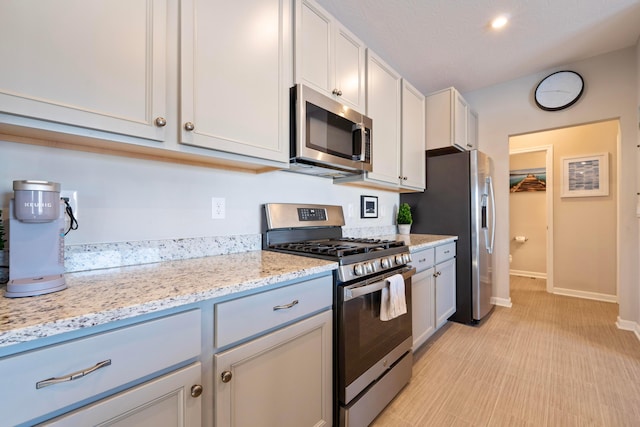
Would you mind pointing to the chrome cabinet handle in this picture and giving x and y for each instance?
(196, 390)
(161, 122)
(189, 126)
(337, 92)
(286, 306)
(73, 376)
(226, 376)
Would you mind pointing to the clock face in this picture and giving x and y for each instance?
(559, 90)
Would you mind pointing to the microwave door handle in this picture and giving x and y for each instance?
(363, 139)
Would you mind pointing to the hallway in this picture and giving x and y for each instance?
(547, 361)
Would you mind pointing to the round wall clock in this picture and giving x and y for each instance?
(559, 90)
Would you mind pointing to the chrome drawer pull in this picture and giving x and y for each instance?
(286, 306)
(73, 376)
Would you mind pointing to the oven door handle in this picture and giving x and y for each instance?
(355, 291)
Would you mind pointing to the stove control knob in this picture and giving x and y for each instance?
(358, 270)
(406, 258)
(385, 262)
(368, 267)
(399, 260)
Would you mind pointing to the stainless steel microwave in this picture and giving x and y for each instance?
(327, 138)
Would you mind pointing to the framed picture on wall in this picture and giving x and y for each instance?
(585, 176)
(527, 180)
(368, 207)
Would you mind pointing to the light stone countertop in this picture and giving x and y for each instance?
(101, 296)
(418, 242)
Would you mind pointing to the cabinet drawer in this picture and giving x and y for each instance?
(134, 352)
(423, 259)
(245, 317)
(445, 252)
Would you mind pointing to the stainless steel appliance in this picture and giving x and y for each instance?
(373, 358)
(328, 139)
(459, 200)
(36, 239)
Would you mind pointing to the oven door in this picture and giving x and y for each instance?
(363, 340)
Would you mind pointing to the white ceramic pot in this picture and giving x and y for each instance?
(404, 228)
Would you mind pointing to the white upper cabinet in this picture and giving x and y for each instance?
(472, 129)
(413, 172)
(235, 76)
(448, 121)
(397, 110)
(329, 58)
(98, 65)
(202, 81)
(384, 91)
(460, 113)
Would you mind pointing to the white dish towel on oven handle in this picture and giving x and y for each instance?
(392, 300)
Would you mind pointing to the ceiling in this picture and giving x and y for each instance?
(435, 44)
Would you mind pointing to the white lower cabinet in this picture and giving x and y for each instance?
(433, 290)
(52, 380)
(423, 298)
(445, 285)
(281, 379)
(169, 401)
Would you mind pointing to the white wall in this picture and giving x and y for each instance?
(125, 199)
(508, 109)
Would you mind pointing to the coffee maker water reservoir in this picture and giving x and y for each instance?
(36, 239)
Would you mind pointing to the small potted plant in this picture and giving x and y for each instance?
(404, 219)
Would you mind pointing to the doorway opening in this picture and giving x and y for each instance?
(572, 225)
(531, 213)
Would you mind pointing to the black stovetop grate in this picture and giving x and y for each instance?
(339, 248)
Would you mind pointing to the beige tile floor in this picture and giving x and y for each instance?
(547, 361)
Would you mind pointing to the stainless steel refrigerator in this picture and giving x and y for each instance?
(459, 200)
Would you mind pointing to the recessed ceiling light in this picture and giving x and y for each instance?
(499, 22)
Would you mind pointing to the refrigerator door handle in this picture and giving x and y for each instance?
(493, 216)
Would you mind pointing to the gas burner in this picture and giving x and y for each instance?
(291, 230)
(375, 244)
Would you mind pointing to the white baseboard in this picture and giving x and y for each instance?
(502, 302)
(586, 295)
(533, 274)
(629, 325)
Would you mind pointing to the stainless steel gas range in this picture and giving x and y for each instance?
(372, 356)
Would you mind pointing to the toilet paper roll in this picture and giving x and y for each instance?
(520, 239)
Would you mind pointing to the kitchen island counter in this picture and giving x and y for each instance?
(100, 297)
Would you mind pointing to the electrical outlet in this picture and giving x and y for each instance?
(72, 195)
(217, 208)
